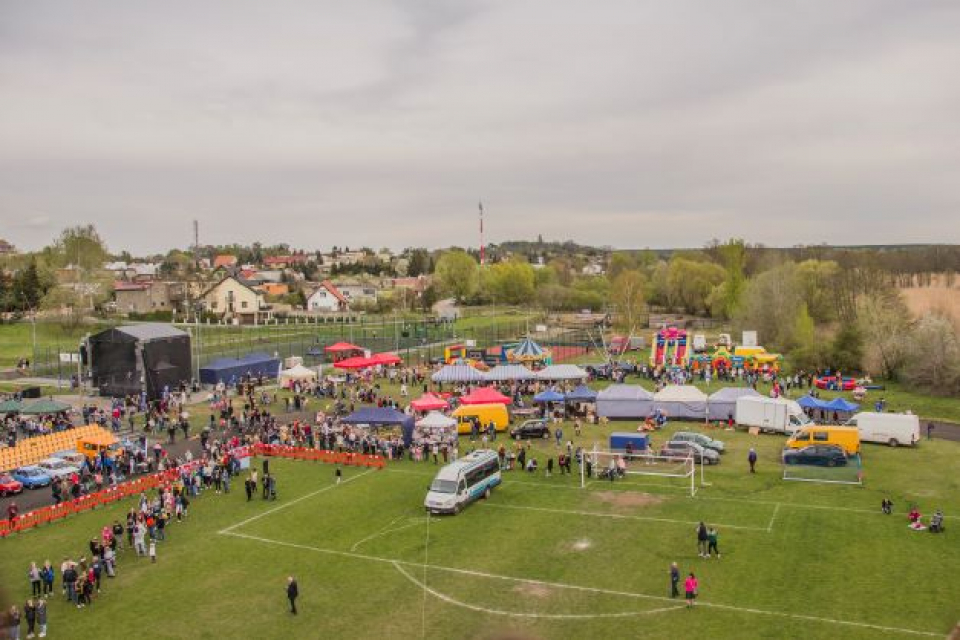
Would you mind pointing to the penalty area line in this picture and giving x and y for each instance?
(585, 589)
(292, 502)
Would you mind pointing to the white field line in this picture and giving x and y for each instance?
(617, 516)
(520, 614)
(293, 502)
(585, 589)
(773, 518)
(387, 531)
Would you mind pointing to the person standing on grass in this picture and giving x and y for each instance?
(42, 617)
(292, 592)
(930, 427)
(338, 474)
(30, 615)
(13, 623)
(674, 580)
(247, 485)
(712, 536)
(153, 551)
(702, 540)
(752, 459)
(691, 586)
(36, 581)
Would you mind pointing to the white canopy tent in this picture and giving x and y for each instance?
(297, 373)
(562, 372)
(681, 401)
(436, 420)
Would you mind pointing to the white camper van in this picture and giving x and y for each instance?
(460, 483)
(887, 428)
(774, 415)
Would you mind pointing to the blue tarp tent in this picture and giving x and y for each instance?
(809, 402)
(381, 417)
(839, 404)
(230, 370)
(583, 393)
(548, 396)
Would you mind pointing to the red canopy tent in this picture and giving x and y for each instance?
(386, 358)
(358, 362)
(342, 346)
(485, 395)
(429, 402)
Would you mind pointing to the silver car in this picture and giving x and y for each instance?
(675, 449)
(57, 468)
(700, 438)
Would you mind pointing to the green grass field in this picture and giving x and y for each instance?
(542, 558)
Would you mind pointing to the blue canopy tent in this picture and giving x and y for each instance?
(583, 393)
(839, 404)
(549, 396)
(809, 402)
(229, 370)
(381, 417)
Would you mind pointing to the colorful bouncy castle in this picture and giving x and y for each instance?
(670, 348)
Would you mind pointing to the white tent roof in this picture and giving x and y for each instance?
(436, 420)
(509, 372)
(562, 372)
(680, 393)
(298, 372)
(458, 373)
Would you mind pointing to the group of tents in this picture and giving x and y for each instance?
(675, 401)
(42, 407)
(454, 373)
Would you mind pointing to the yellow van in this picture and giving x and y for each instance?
(846, 437)
(91, 445)
(485, 413)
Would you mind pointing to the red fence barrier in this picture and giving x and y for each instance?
(320, 455)
(109, 495)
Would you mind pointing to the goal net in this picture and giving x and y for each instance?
(849, 473)
(615, 466)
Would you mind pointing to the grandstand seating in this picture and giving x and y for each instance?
(33, 450)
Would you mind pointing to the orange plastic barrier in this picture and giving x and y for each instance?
(109, 495)
(319, 455)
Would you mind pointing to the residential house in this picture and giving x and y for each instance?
(416, 284)
(225, 261)
(236, 300)
(144, 271)
(284, 262)
(273, 288)
(357, 291)
(147, 297)
(6, 249)
(327, 297)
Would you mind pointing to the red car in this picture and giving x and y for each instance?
(9, 486)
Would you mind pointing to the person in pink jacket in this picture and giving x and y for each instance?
(691, 586)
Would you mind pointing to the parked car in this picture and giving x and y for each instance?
(57, 468)
(701, 439)
(823, 455)
(693, 450)
(72, 458)
(530, 429)
(32, 477)
(9, 486)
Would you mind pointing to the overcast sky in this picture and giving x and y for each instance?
(633, 124)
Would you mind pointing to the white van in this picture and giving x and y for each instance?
(460, 483)
(776, 415)
(887, 428)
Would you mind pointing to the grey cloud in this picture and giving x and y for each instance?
(381, 123)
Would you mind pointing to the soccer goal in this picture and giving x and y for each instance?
(849, 473)
(613, 466)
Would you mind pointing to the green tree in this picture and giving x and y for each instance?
(628, 294)
(733, 253)
(933, 356)
(807, 352)
(457, 274)
(419, 263)
(884, 320)
(770, 305)
(846, 351)
(620, 261)
(512, 282)
(28, 288)
(80, 246)
(690, 283)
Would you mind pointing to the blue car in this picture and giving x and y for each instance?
(32, 477)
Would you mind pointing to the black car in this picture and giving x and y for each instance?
(531, 429)
(822, 455)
